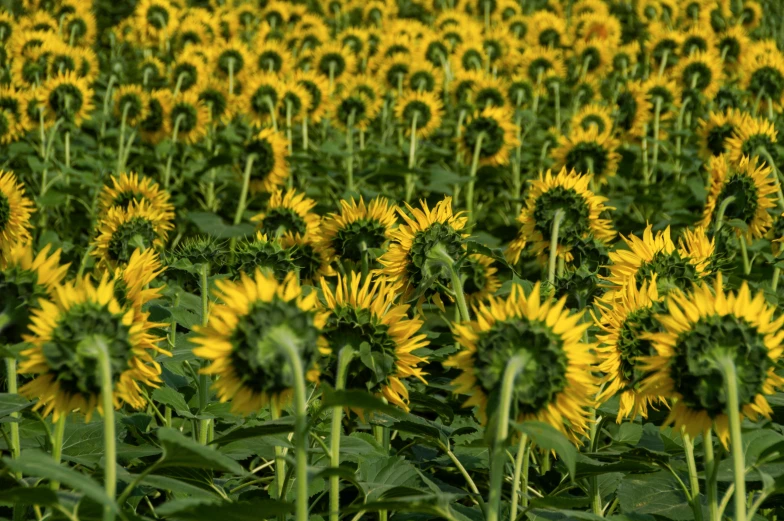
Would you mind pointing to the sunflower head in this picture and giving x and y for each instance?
(491, 131)
(481, 279)
(751, 136)
(183, 264)
(764, 75)
(311, 262)
(68, 97)
(129, 188)
(261, 253)
(588, 152)
(702, 330)
(15, 211)
(581, 283)
(716, 131)
(288, 211)
(269, 154)
(367, 317)
(419, 111)
(358, 227)
(555, 384)
(153, 127)
(66, 334)
(122, 230)
(249, 333)
(188, 117)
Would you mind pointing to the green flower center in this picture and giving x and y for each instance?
(744, 206)
(352, 105)
(307, 260)
(263, 99)
(129, 236)
(631, 345)
(472, 59)
(187, 74)
(126, 199)
(520, 91)
(671, 46)
(697, 377)
(266, 256)
(421, 109)
(134, 104)
(493, 140)
(66, 100)
(595, 58)
(348, 240)
(576, 214)
(436, 53)
(154, 120)
(539, 66)
(727, 98)
(282, 220)
(732, 46)
(717, 138)
(543, 376)
(76, 371)
(550, 38)
(396, 74)
(588, 157)
(424, 241)
(257, 360)
(63, 63)
(768, 79)
(187, 115)
(694, 43)
(292, 103)
(270, 61)
(374, 348)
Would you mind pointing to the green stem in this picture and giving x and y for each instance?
(109, 441)
(175, 131)
(439, 254)
(513, 368)
(762, 151)
(557, 89)
(271, 108)
(67, 140)
(289, 130)
(775, 281)
(106, 97)
(231, 76)
(121, 141)
(350, 151)
(204, 380)
(656, 125)
(280, 462)
(411, 158)
(245, 187)
(520, 472)
(745, 255)
(736, 441)
(365, 261)
(557, 219)
(344, 359)
(694, 480)
(57, 445)
(305, 133)
(722, 209)
(13, 388)
(472, 176)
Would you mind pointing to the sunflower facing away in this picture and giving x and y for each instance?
(754, 190)
(657, 256)
(752, 134)
(588, 152)
(270, 167)
(556, 384)
(368, 318)
(122, 230)
(716, 131)
(288, 211)
(480, 276)
(65, 329)
(15, 211)
(132, 282)
(242, 340)
(624, 321)
(496, 130)
(699, 328)
(130, 188)
(568, 192)
(358, 227)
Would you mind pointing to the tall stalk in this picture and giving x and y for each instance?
(727, 366)
(472, 177)
(204, 380)
(557, 219)
(344, 359)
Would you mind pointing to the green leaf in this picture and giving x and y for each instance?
(658, 494)
(180, 451)
(379, 476)
(39, 464)
(548, 437)
(538, 514)
(361, 445)
(356, 399)
(212, 224)
(11, 403)
(269, 428)
(175, 400)
(201, 510)
(28, 496)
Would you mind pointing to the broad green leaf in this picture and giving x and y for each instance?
(379, 476)
(180, 451)
(28, 496)
(170, 397)
(199, 510)
(10, 403)
(658, 494)
(269, 428)
(354, 399)
(360, 446)
(547, 437)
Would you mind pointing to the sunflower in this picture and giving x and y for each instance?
(334, 61)
(369, 90)
(594, 116)
(593, 57)
(188, 69)
(367, 317)
(690, 262)
(750, 136)
(128, 189)
(24, 279)
(318, 88)
(12, 101)
(407, 258)
(155, 20)
(568, 191)
(231, 59)
(665, 11)
(751, 15)
(245, 337)
(10, 130)
(270, 166)
(626, 58)
(663, 91)
(764, 75)
(700, 328)
(663, 45)
(489, 91)
(153, 127)
(419, 111)
(546, 29)
(631, 110)
(732, 45)
(697, 39)
(624, 322)
(556, 384)
(753, 187)
(132, 102)
(132, 282)
(261, 97)
(68, 97)
(288, 211)
(358, 227)
(700, 72)
(188, 119)
(588, 152)
(78, 316)
(153, 72)
(424, 77)
(520, 91)
(294, 101)
(122, 230)
(15, 211)
(272, 57)
(352, 108)
(496, 130)
(215, 95)
(716, 131)
(481, 280)
(312, 262)
(434, 49)
(541, 64)
(261, 253)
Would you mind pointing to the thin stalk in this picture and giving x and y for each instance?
(557, 89)
(109, 441)
(13, 388)
(736, 441)
(722, 209)
(57, 445)
(694, 480)
(280, 462)
(305, 133)
(245, 186)
(774, 283)
(472, 177)
(411, 158)
(288, 127)
(520, 472)
(656, 126)
(121, 141)
(67, 149)
(271, 107)
(175, 131)
(763, 152)
(462, 470)
(458, 133)
(231, 76)
(513, 368)
(663, 64)
(363, 250)
(344, 359)
(745, 255)
(557, 219)
(204, 379)
(438, 254)
(350, 151)
(106, 97)
(178, 85)
(646, 172)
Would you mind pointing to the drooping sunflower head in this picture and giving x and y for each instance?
(426, 233)
(752, 188)
(662, 95)
(294, 102)
(596, 116)
(624, 321)
(540, 64)
(311, 262)
(153, 127)
(555, 384)
(122, 230)
(699, 73)
(67, 334)
(358, 227)
(318, 88)
(334, 61)
(751, 15)
(764, 75)
(716, 131)
(420, 112)
(129, 188)
(733, 43)
(588, 152)
(68, 97)
(131, 102)
(367, 317)
(547, 29)
(492, 132)
(269, 153)
(567, 194)
(353, 108)
(703, 330)
(15, 211)
(657, 256)
(261, 97)
(481, 279)
(631, 110)
(214, 94)
(752, 136)
(288, 211)
(188, 115)
(249, 334)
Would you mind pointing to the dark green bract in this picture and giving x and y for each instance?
(576, 221)
(672, 271)
(418, 265)
(280, 220)
(348, 240)
(124, 240)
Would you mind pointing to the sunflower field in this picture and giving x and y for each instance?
(395, 260)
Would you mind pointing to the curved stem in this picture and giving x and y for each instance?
(204, 379)
(57, 445)
(106, 97)
(175, 131)
(736, 441)
(557, 89)
(472, 176)
(271, 107)
(557, 219)
(245, 186)
(350, 151)
(363, 250)
(109, 441)
(745, 255)
(774, 284)
(513, 368)
(710, 475)
(520, 471)
(656, 125)
(13, 388)
(305, 133)
(231, 76)
(280, 462)
(121, 141)
(722, 209)
(694, 480)
(439, 254)
(411, 158)
(344, 359)
(67, 140)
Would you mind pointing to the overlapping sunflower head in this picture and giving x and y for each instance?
(588, 152)
(366, 316)
(288, 211)
(489, 135)
(129, 188)
(555, 385)
(268, 155)
(123, 230)
(358, 228)
(420, 112)
(568, 193)
(704, 330)
(15, 211)
(480, 278)
(716, 130)
(753, 137)
(68, 333)
(249, 333)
